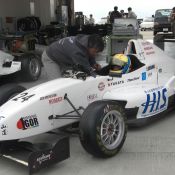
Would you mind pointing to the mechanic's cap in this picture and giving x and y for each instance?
(122, 61)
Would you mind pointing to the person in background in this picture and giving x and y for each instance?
(108, 17)
(131, 14)
(70, 52)
(91, 20)
(114, 15)
(172, 19)
(123, 13)
(86, 20)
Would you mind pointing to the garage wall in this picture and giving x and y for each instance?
(15, 9)
(46, 10)
(42, 10)
(21, 8)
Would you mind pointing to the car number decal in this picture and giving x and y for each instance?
(23, 97)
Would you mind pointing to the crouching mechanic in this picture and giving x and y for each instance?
(68, 52)
(120, 64)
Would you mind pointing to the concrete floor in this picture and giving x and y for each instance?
(149, 150)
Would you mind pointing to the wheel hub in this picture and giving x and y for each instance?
(112, 129)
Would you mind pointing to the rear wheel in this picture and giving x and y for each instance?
(103, 128)
(30, 67)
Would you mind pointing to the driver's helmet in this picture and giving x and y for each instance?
(120, 64)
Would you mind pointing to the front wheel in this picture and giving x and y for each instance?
(8, 91)
(103, 128)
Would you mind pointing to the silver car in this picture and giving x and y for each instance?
(147, 24)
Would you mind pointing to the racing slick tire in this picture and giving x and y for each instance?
(8, 91)
(30, 67)
(103, 128)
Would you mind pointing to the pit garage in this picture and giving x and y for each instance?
(26, 28)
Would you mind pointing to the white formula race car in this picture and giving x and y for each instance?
(7, 65)
(101, 105)
(28, 65)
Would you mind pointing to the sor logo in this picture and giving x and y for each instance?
(28, 122)
(156, 102)
(101, 86)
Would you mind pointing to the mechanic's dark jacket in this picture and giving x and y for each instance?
(71, 51)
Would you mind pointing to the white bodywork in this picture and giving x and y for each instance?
(7, 58)
(147, 88)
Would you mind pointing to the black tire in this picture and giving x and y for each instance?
(8, 91)
(30, 67)
(38, 22)
(91, 123)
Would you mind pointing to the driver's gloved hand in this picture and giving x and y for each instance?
(90, 71)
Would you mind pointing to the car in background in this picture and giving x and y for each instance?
(162, 21)
(147, 24)
(140, 20)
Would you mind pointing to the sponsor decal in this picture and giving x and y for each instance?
(55, 100)
(149, 50)
(23, 97)
(4, 129)
(156, 101)
(145, 43)
(48, 96)
(150, 53)
(101, 86)
(160, 71)
(150, 74)
(28, 122)
(150, 67)
(44, 157)
(143, 76)
(133, 79)
(92, 97)
(116, 83)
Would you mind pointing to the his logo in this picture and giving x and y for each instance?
(27, 122)
(156, 101)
